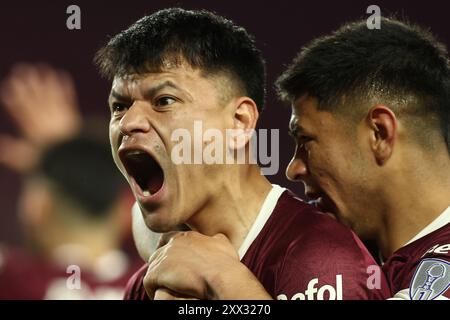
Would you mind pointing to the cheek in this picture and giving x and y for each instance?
(328, 168)
(114, 135)
(320, 162)
(117, 161)
(114, 146)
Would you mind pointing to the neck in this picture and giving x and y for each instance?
(420, 189)
(235, 207)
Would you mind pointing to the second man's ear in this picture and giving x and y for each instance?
(383, 123)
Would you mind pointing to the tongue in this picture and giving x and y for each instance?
(148, 174)
(154, 185)
(152, 188)
(154, 182)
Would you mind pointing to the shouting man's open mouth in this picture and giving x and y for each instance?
(145, 174)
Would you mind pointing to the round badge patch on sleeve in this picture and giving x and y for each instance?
(430, 280)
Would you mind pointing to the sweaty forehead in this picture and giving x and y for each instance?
(307, 117)
(304, 105)
(138, 85)
(175, 74)
(303, 109)
(195, 83)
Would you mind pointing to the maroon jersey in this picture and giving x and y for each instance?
(297, 252)
(421, 269)
(24, 276)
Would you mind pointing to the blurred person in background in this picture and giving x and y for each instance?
(73, 208)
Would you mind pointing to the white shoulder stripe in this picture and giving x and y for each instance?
(439, 222)
(264, 214)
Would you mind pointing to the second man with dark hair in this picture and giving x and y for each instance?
(370, 118)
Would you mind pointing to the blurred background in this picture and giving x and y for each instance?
(54, 106)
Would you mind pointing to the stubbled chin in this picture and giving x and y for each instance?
(157, 223)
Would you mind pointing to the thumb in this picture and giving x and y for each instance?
(221, 236)
(166, 237)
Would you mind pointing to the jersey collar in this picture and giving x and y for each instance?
(439, 222)
(264, 214)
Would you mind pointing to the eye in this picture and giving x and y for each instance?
(118, 108)
(302, 141)
(165, 101)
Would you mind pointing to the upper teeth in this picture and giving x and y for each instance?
(134, 152)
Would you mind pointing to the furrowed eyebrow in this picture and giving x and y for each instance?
(117, 96)
(295, 129)
(151, 92)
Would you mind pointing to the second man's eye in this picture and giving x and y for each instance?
(164, 101)
(302, 140)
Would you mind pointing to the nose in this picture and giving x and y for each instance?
(296, 170)
(134, 120)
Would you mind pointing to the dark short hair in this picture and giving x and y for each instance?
(83, 170)
(201, 38)
(401, 65)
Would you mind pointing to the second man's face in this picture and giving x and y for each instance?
(331, 160)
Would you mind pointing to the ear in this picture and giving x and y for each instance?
(245, 114)
(245, 118)
(383, 125)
